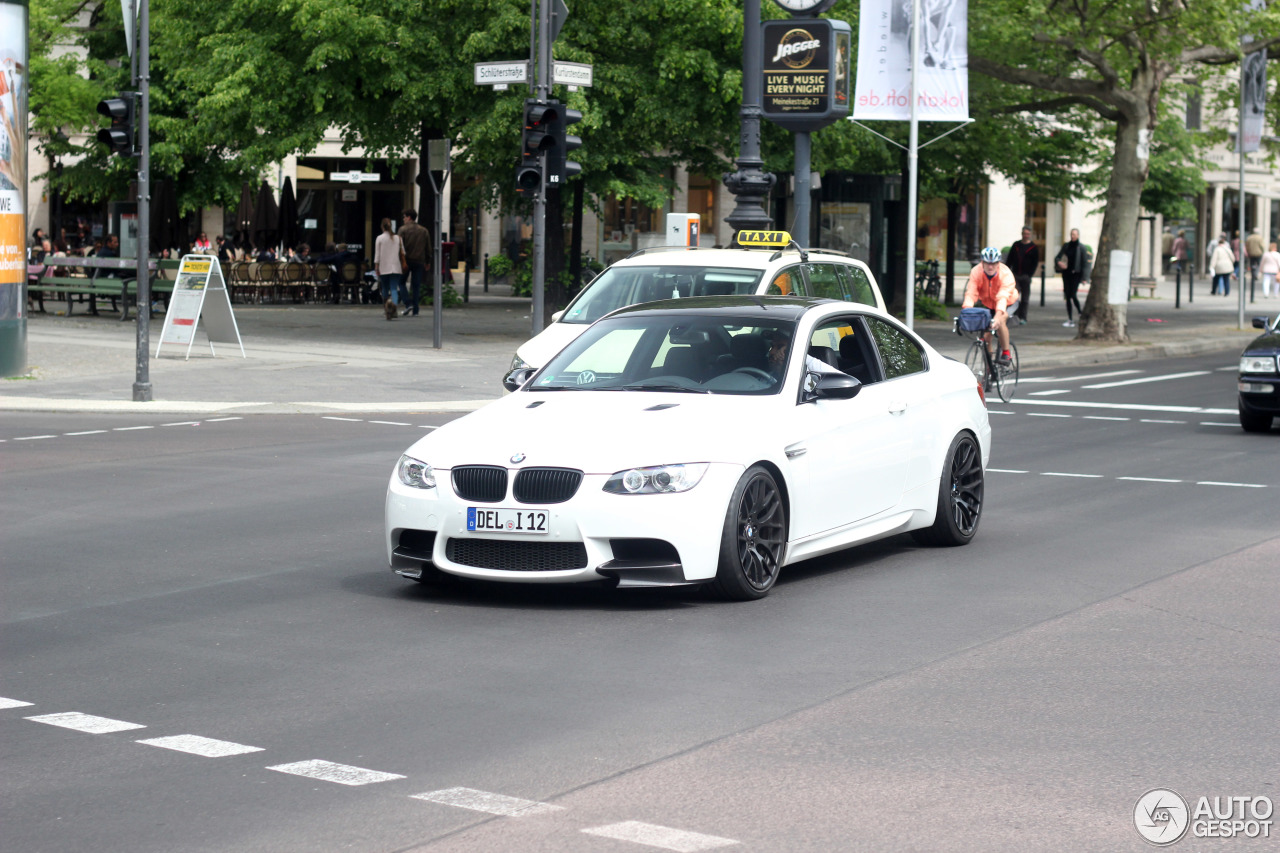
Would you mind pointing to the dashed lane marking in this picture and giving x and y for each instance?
(1062, 474)
(1107, 375)
(1219, 423)
(1136, 407)
(1046, 415)
(86, 723)
(196, 745)
(220, 420)
(483, 801)
(327, 771)
(1235, 485)
(32, 437)
(1006, 471)
(336, 418)
(1146, 379)
(183, 423)
(1132, 479)
(127, 429)
(1149, 479)
(1050, 392)
(663, 837)
(13, 703)
(1103, 418)
(1158, 421)
(87, 432)
(390, 423)
(1000, 412)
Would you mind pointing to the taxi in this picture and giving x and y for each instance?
(769, 263)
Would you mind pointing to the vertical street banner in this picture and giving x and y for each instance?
(13, 187)
(1253, 92)
(199, 291)
(883, 89)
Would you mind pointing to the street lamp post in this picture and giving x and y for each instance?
(750, 184)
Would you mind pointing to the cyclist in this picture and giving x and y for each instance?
(992, 283)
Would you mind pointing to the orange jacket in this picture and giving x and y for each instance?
(997, 293)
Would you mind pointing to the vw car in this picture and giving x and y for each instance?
(711, 440)
(1258, 383)
(679, 272)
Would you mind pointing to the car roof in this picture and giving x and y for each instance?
(757, 259)
(782, 307)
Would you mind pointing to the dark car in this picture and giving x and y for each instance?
(1259, 380)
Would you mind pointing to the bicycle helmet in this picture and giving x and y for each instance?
(991, 255)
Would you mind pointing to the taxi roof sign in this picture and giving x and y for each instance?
(764, 239)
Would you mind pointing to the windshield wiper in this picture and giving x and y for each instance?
(559, 388)
(641, 386)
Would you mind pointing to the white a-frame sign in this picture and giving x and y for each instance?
(200, 290)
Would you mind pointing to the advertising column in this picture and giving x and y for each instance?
(13, 187)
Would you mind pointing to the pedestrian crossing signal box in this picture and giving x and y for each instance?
(683, 229)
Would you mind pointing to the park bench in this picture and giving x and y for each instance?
(76, 278)
(1147, 284)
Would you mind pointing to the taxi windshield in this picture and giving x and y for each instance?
(620, 286)
(673, 351)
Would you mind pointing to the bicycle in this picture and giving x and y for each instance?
(1003, 378)
(927, 281)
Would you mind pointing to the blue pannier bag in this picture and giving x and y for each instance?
(974, 319)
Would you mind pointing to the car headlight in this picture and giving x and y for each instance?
(516, 363)
(656, 480)
(415, 473)
(1258, 364)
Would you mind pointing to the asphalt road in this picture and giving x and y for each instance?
(1113, 628)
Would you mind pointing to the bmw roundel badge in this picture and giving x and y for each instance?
(517, 458)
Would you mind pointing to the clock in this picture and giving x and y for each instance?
(806, 8)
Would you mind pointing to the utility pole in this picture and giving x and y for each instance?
(142, 379)
(540, 88)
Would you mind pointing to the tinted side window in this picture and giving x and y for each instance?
(789, 282)
(899, 354)
(825, 282)
(859, 284)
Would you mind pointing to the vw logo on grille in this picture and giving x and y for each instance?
(517, 458)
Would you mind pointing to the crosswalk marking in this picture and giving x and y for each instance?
(196, 745)
(328, 771)
(85, 723)
(13, 703)
(484, 801)
(664, 837)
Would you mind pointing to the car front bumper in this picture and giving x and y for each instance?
(1259, 393)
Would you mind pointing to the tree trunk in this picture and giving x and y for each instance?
(1100, 319)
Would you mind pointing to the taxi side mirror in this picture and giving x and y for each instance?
(514, 380)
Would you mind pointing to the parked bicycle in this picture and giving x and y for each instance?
(1002, 378)
(927, 281)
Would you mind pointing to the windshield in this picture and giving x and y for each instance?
(620, 286)
(673, 351)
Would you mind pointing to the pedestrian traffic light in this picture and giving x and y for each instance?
(559, 168)
(534, 140)
(119, 136)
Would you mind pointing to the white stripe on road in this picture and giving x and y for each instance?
(483, 801)
(32, 437)
(1218, 423)
(1148, 479)
(1051, 392)
(427, 426)
(1102, 418)
(327, 771)
(196, 745)
(333, 418)
(13, 703)
(1149, 379)
(1061, 474)
(1137, 407)
(86, 432)
(1051, 379)
(220, 420)
(183, 423)
(660, 836)
(1005, 471)
(85, 723)
(1046, 415)
(1237, 485)
(1158, 421)
(389, 423)
(127, 429)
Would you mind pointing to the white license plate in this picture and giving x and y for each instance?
(483, 520)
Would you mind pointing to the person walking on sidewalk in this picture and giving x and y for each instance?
(1222, 264)
(1178, 251)
(1023, 261)
(387, 252)
(1269, 266)
(416, 241)
(1253, 247)
(1070, 262)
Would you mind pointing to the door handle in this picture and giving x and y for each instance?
(897, 407)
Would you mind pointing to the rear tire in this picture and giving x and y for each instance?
(960, 494)
(753, 538)
(1254, 421)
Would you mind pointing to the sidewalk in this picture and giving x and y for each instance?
(349, 358)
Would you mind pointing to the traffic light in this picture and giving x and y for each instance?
(534, 140)
(560, 169)
(119, 136)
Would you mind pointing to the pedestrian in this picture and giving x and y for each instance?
(417, 243)
(40, 245)
(202, 246)
(1178, 251)
(1222, 267)
(1253, 247)
(1070, 262)
(1166, 247)
(387, 263)
(1023, 260)
(1208, 252)
(1269, 266)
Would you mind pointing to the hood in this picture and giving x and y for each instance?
(601, 432)
(1268, 344)
(539, 349)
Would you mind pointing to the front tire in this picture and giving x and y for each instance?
(1254, 421)
(975, 359)
(960, 495)
(753, 539)
(1007, 375)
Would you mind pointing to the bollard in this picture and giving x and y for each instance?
(1191, 279)
(1177, 286)
(1042, 285)
(486, 272)
(466, 281)
(1253, 280)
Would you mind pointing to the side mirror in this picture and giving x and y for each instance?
(1259, 322)
(555, 318)
(830, 386)
(514, 380)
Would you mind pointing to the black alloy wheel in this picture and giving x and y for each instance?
(754, 538)
(960, 494)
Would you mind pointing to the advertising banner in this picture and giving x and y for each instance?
(13, 187)
(884, 61)
(199, 292)
(806, 72)
(1254, 101)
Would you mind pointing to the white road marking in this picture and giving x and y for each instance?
(1045, 415)
(333, 418)
(32, 437)
(183, 423)
(1237, 485)
(389, 423)
(86, 432)
(127, 429)
(427, 426)
(660, 836)
(1061, 474)
(1149, 379)
(483, 801)
(1000, 412)
(196, 745)
(1005, 471)
(220, 420)
(1218, 423)
(13, 703)
(1049, 379)
(1102, 418)
(1137, 407)
(85, 723)
(1051, 392)
(1158, 421)
(1148, 479)
(327, 771)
